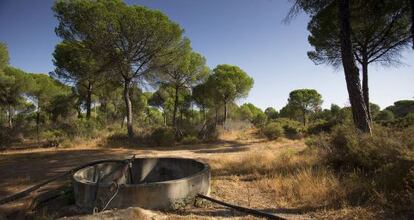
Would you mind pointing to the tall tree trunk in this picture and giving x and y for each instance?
(365, 88)
(412, 20)
(37, 123)
(359, 111)
(10, 117)
(89, 101)
(304, 117)
(181, 114)
(204, 114)
(225, 114)
(216, 119)
(148, 115)
(164, 117)
(128, 106)
(174, 121)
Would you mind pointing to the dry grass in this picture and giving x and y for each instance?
(277, 176)
(294, 179)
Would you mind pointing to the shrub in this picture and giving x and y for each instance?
(291, 129)
(292, 132)
(52, 135)
(272, 131)
(405, 122)
(209, 132)
(321, 126)
(163, 136)
(385, 115)
(259, 120)
(189, 139)
(385, 158)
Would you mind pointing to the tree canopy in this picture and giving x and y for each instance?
(4, 56)
(305, 101)
(134, 38)
(229, 83)
(380, 32)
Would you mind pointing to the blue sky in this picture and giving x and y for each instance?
(246, 33)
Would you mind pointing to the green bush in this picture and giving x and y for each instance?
(189, 139)
(399, 123)
(259, 120)
(291, 129)
(163, 136)
(292, 132)
(321, 126)
(52, 135)
(385, 115)
(272, 131)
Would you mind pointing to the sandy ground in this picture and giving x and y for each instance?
(24, 168)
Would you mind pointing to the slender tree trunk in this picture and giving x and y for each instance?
(128, 106)
(216, 119)
(304, 117)
(204, 114)
(89, 101)
(10, 117)
(174, 121)
(148, 115)
(37, 123)
(359, 111)
(225, 114)
(365, 87)
(412, 20)
(181, 114)
(164, 117)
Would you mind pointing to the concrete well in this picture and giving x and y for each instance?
(151, 183)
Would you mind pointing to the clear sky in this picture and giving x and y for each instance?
(246, 33)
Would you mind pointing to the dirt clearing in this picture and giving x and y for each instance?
(246, 170)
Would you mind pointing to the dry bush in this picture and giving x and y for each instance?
(379, 167)
(293, 179)
(309, 187)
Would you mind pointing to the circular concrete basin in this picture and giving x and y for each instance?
(151, 183)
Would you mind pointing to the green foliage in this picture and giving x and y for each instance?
(404, 122)
(163, 136)
(189, 139)
(253, 114)
(385, 159)
(385, 115)
(76, 62)
(259, 120)
(52, 135)
(14, 83)
(375, 109)
(305, 101)
(130, 38)
(44, 89)
(230, 82)
(154, 116)
(370, 22)
(401, 108)
(203, 96)
(291, 129)
(272, 131)
(271, 113)
(4, 56)
(321, 126)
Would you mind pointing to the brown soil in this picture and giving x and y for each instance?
(25, 168)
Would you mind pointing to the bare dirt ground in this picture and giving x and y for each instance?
(25, 168)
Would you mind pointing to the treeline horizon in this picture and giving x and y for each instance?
(110, 51)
